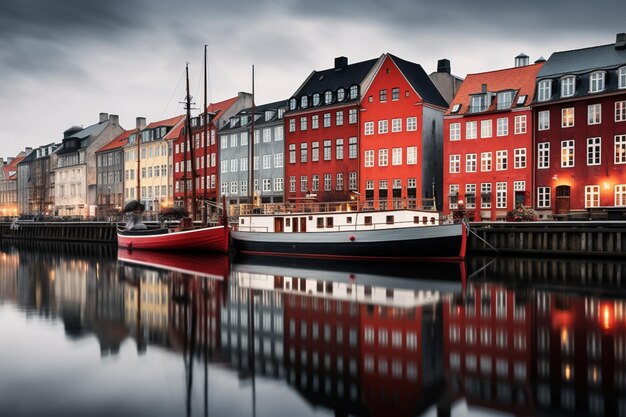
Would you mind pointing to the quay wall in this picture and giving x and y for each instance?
(558, 238)
(92, 232)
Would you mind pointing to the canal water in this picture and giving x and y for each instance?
(90, 331)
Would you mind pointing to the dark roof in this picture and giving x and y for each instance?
(583, 60)
(86, 133)
(420, 81)
(259, 110)
(332, 79)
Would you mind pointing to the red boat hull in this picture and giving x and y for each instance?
(212, 239)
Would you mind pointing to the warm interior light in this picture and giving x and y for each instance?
(568, 372)
(607, 186)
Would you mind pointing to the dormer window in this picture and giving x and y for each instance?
(244, 120)
(455, 108)
(521, 100)
(293, 104)
(268, 115)
(596, 82)
(544, 90)
(568, 86)
(328, 97)
(304, 102)
(621, 76)
(281, 113)
(354, 92)
(233, 121)
(316, 99)
(504, 100)
(478, 103)
(341, 94)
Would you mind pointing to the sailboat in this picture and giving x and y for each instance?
(185, 237)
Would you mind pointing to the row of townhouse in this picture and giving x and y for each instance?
(549, 135)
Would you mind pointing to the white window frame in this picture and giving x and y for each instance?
(486, 188)
(411, 124)
(594, 114)
(620, 111)
(396, 156)
(485, 162)
(501, 195)
(619, 149)
(621, 77)
(502, 126)
(594, 151)
(396, 125)
(383, 157)
(519, 158)
(455, 164)
(620, 195)
(368, 128)
(568, 86)
(455, 131)
(544, 90)
(543, 120)
(520, 124)
(597, 81)
(486, 128)
(470, 130)
(369, 158)
(543, 155)
(411, 155)
(568, 153)
(383, 127)
(502, 160)
(471, 162)
(567, 118)
(592, 196)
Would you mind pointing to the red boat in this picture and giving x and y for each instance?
(212, 239)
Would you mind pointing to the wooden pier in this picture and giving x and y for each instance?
(584, 238)
(93, 232)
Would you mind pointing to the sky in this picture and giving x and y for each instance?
(62, 62)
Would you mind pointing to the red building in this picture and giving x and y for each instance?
(371, 129)
(205, 153)
(488, 142)
(580, 130)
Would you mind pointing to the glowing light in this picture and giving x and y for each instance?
(606, 317)
(564, 336)
(567, 372)
(607, 185)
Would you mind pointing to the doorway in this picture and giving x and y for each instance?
(563, 199)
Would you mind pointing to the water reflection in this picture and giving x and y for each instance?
(199, 335)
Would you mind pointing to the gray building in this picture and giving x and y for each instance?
(110, 176)
(269, 155)
(35, 181)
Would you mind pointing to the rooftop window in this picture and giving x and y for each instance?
(504, 100)
(568, 86)
(596, 81)
(544, 90)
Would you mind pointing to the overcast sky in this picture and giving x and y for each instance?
(64, 61)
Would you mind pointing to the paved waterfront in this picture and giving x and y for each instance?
(88, 331)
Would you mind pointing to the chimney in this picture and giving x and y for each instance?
(27, 151)
(141, 123)
(521, 60)
(104, 117)
(483, 88)
(443, 66)
(9, 160)
(340, 62)
(540, 60)
(620, 41)
(114, 119)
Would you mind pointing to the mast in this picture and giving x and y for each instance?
(190, 148)
(138, 139)
(251, 141)
(206, 147)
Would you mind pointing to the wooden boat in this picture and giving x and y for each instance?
(212, 239)
(402, 234)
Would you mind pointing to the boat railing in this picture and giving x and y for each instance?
(309, 206)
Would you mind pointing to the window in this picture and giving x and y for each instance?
(315, 122)
(593, 151)
(339, 118)
(485, 129)
(326, 119)
(278, 184)
(453, 197)
(520, 124)
(504, 100)
(478, 103)
(352, 150)
(368, 128)
(470, 130)
(501, 195)
(455, 131)
(594, 114)
(620, 149)
(592, 196)
(267, 185)
(341, 94)
(315, 151)
(455, 164)
(352, 116)
(470, 162)
(304, 152)
(303, 126)
(544, 120)
(292, 127)
(339, 149)
(304, 184)
(485, 161)
(621, 76)
(544, 90)
(382, 95)
(567, 86)
(224, 166)
(519, 185)
(383, 126)
(234, 163)
(485, 195)
(352, 185)
(383, 157)
(396, 125)
(501, 160)
(620, 111)
(543, 157)
(411, 155)
(411, 124)
(596, 82)
(567, 153)
(395, 94)
(567, 117)
(233, 187)
(470, 196)
(369, 158)
(327, 150)
(315, 183)
(292, 153)
(328, 97)
(354, 92)
(339, 182)
(327, 182)
(503, 126)
(620, 195)
(520, 158)
(292, 184)
(396, 156)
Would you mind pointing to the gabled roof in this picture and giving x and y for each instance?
(521, 79)
(12, 167)
(178, 126)
(333, 78)
(260, 110)
(166, 122)
(420, 81)
(583, 60)
(86, 133)
(118, 142)
(220, 107)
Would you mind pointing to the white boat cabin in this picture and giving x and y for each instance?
(336, 221)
